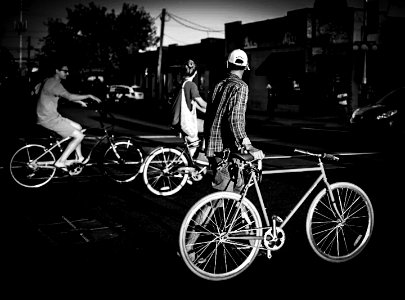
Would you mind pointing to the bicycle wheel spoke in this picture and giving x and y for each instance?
(340, 232)
(214, 241)
(32, 166)
(161, 172)
(122, 160)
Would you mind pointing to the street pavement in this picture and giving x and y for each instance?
(42, 261)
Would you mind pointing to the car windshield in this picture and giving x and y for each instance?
(394, 98)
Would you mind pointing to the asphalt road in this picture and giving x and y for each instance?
(127, 244)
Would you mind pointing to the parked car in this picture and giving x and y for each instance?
(386, 114)
(124, 93)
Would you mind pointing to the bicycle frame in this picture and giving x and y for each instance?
(322, 177)
(183, 151)
(59, 143)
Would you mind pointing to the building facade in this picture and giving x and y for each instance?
(302, 63)
(314, 56)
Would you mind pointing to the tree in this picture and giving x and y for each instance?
(93, 37)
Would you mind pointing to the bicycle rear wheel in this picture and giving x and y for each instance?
(165, 171)
(220, 236)
(335, 239)
(32, 166)
(122, 160)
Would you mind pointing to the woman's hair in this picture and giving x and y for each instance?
(189, 67)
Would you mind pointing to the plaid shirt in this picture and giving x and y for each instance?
(225, 116)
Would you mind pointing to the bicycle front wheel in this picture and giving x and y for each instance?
(122, 160)
(220, 236)
(32, 166)
(165, 172)
(338, 233)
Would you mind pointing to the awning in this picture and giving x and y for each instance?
(286, 62)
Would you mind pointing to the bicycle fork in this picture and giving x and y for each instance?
(335, 211)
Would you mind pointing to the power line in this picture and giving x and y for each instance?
(174, 39)
(203, 28)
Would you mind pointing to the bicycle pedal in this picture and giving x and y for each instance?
(189, 181)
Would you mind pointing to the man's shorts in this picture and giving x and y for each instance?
(62, 126)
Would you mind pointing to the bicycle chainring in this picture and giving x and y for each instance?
(274, 242)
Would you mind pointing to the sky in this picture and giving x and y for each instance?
(209, 16)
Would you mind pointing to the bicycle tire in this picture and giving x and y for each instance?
(337, 240)
(124, 167)
(162, 175)
(26, 169)
(215, 237)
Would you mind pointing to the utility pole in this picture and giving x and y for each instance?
(364, 40)
(159, 68)
(364, 86)
(20, 27)
(29, 57)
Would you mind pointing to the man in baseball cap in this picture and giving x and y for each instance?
(225, 121)
(238, 58)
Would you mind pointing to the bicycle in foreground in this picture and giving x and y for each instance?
(168, 169)
(223, 232)
(32, 165)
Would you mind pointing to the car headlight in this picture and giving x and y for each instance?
(387, 114)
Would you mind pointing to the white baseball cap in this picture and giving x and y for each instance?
(238, 57)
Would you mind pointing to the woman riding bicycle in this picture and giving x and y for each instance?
(194, 102)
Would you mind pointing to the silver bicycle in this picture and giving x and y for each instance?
(223, 232)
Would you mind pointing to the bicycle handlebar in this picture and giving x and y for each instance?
(318, 155)
(101, 109)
